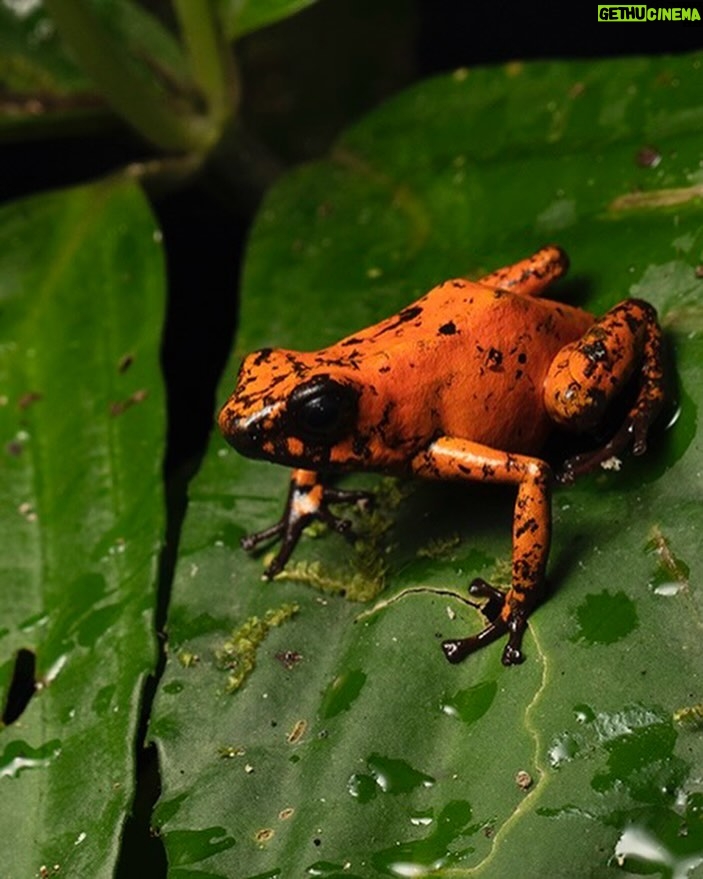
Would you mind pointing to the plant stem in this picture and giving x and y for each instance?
(211, 61)
(131, 93)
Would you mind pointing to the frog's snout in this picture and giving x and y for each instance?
(242, 433)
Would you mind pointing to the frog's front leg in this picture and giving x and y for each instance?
(308, 499)
(455, 458)
(587, 375)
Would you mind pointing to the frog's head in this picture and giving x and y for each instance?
(289, 408)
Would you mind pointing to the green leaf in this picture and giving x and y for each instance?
(240, 17)
(40, 81)
(138, 68)
(64, 69)
(350, 747)
(82, 418)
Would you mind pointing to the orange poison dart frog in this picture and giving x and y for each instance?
(465, 384)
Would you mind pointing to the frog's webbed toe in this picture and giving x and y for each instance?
(632, 433)
(502, 621)
(308, 500)
(340, 524)
(287, 531)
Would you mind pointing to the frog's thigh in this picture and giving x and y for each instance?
(530, 276)
(586, 375)
(456, 458)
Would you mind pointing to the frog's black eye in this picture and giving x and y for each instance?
(322, 410)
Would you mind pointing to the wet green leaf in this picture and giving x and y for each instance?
(82, 429)
(33, 58)
(573, 763)
(47, 90)
(38, 76)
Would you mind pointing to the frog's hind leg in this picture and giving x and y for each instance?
(457, 458)
(587, 375)
(530, 276)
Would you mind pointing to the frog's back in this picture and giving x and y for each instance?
(461, 306)
(466, 360)
(494, 363)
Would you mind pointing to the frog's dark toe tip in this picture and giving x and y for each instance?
(451, 651)
(512, 656)
(344, 526)
(272, 570)
(457, 649)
